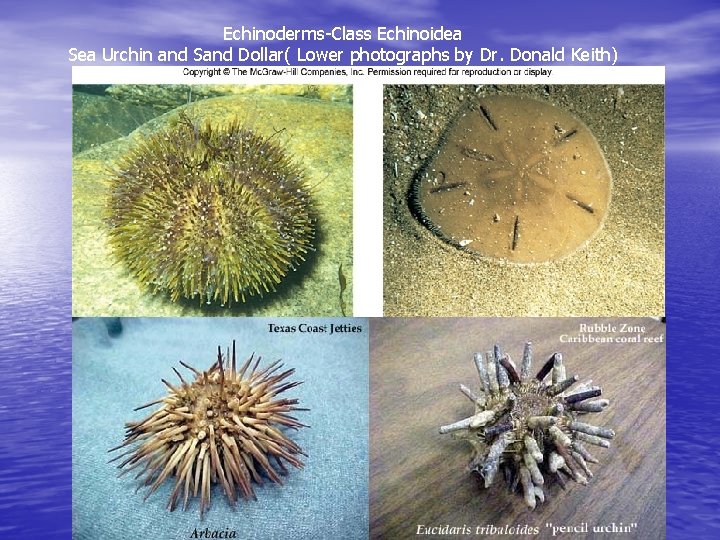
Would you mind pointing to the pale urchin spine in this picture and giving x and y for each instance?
(225, 427)
(528, 427)
(214, 213)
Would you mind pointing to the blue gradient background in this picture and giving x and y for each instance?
(35, 110)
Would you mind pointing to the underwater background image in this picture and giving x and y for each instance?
(305, 130)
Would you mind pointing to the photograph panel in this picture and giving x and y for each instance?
(542, 428)
(532, 200)
(166, 444)
(212, 200)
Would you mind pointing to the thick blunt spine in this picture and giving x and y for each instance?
(592, 430)
(511, 370)
(558, 370)
(526, 361)
(561, 386)
(582, 396)
(547, 366)
(590, 406)
(492, 374)
(490, 467)
(482, 372)
(532, 447)
(592, 439)
(528, 487)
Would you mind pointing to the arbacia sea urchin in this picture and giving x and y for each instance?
(224, 428)
(527, 427)
(215, 213)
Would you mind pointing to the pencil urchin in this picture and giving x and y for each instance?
(215, 213)
(224, 428)
(527, 427)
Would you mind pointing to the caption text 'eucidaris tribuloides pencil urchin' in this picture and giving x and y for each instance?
(224, 428)
(215, 213)
(527, 427)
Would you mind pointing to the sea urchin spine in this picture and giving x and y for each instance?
(522, 424)
(215, 213)
(224, 427)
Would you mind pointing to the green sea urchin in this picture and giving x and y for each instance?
(215, 213)
(224, 427)
(522, 424)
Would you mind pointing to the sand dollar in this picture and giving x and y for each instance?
(514, 179)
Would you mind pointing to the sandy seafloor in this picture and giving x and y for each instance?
(620, 272)
(318, 134)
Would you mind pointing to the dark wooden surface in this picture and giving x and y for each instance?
(419, 477)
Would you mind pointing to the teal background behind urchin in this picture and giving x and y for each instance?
(112, 376)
